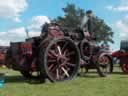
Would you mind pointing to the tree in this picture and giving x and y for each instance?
(73, 17)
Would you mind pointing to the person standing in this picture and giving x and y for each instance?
(88, 22)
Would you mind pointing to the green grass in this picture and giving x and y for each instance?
(115, 84)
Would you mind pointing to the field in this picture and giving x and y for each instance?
(115, 84)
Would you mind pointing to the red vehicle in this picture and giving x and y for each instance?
(122, 56)
(3, 50)
(52, 56)
(56, 55)
(2, 58)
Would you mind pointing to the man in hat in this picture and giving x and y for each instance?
(88, 22)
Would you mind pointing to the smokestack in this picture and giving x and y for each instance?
(27, 32)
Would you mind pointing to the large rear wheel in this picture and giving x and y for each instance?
(60, 60)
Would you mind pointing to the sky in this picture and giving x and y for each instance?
(18, 15)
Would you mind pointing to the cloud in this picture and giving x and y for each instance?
(122, 27)
(37, 22)
(123, 6)
(118, 8)
(15, 35)
(19, 34)
(12, 9)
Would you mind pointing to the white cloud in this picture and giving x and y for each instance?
(12, 9)
(17, 19)
(122, 27)
(19, 34)
(118, 8)
(15, 35)
(37, 22)
(123, 6)
(4, 43)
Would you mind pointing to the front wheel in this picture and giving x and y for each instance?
(104, 65)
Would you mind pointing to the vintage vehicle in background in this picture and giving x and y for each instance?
(2, 59)
(121, 56)
(57, 54)
(3, 50)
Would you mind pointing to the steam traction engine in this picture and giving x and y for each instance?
(51, 56)
(56, 55)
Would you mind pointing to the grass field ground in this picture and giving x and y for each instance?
(115, 84)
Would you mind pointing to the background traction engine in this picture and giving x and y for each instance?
(121, 56)
(51, 56)
(93, 56)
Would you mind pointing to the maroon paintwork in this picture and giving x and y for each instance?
(57, 56)
(122, 56)
(2, 59)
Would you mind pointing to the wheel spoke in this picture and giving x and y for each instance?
(57, 74)
(53, 60)
(50, 67)
(58, 47)
(63, 63)
(103, 60)
(53, 53)
(53, 68)
(65, 71)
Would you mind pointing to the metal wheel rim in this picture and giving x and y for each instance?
(65, 67)
(104, 64)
